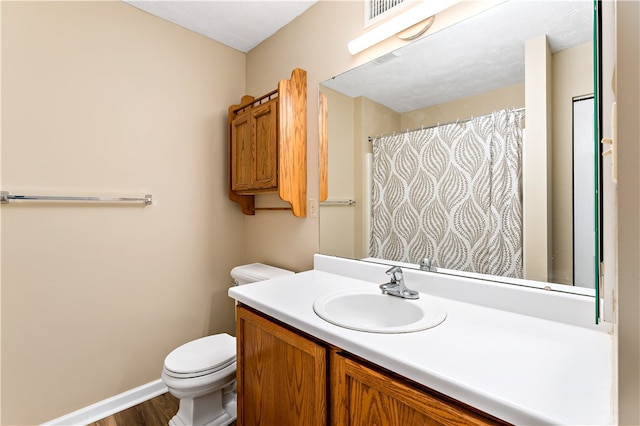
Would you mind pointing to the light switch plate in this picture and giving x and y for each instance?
(313, 207)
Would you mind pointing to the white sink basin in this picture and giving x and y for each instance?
(370, 310)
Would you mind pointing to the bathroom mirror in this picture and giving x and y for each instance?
(534, 58)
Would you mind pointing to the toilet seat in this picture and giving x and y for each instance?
(201, 357)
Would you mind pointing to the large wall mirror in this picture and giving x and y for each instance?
(473, 147)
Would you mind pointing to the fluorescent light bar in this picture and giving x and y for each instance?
(407, 19)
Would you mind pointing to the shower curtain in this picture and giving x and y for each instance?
(452, 193)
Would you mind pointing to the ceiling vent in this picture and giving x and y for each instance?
(374, 10)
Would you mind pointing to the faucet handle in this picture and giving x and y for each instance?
(396, 287)
(427, 264)
(395, 272)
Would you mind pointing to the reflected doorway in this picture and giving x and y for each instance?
(583, 193)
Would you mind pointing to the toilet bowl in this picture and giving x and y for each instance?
(202, 373)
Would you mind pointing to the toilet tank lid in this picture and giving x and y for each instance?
(255, 272)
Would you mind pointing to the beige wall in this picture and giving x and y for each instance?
(536, 161)
(472, 106)
(628, 267)
(337, 221)
(100, 98)
(306, 43)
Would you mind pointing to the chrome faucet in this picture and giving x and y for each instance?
(396, 287)
(427, 265)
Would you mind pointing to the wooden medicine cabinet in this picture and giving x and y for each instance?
(268, 146)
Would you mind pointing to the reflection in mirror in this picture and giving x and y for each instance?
(462, 147)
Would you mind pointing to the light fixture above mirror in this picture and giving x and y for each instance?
(424, 10)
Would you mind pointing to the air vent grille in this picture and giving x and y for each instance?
(377, 8)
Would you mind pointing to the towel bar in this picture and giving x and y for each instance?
(5, 197)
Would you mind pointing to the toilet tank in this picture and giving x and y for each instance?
(254, 272)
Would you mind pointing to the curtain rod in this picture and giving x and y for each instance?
(371, 138)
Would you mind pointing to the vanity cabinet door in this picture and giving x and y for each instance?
(281, 375)
(365, 396)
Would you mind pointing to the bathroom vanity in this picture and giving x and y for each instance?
(311, 378)
(504, 354)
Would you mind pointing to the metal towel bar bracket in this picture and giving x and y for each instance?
(5, 197)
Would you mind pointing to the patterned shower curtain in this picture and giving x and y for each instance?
(453, 193)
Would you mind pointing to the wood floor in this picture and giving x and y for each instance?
(154, 412)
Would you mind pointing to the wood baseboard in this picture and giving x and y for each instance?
(112, 405)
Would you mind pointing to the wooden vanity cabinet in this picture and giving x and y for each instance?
(364, 395)
(281, 375)
(288, 378)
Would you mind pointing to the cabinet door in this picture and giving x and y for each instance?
(241, 152)
(265, 122)
(254, 149)
(281, 375)
(363, 396)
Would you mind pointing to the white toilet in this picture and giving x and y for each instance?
(202, 373)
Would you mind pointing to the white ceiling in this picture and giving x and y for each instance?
(477, 55)
(240, 24)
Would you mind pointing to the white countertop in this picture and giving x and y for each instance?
(520, 368)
